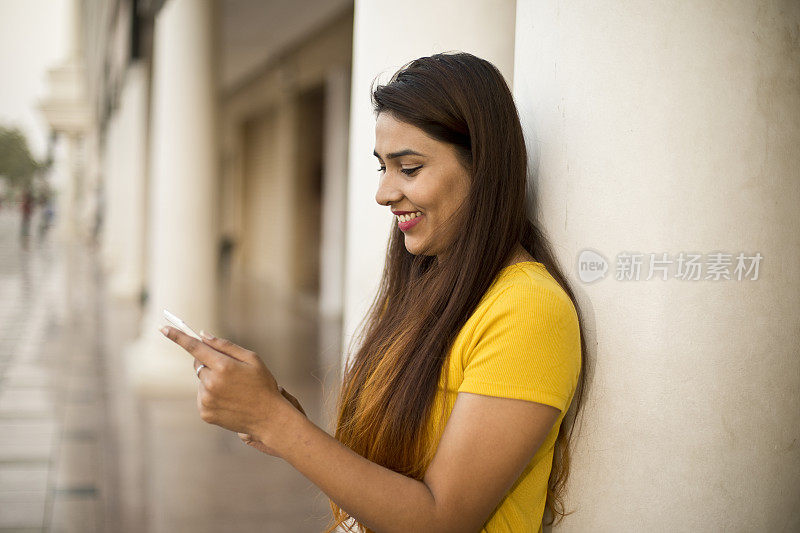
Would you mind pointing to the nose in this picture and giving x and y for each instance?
(388, 193)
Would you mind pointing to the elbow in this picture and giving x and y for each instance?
(442, 518)
(455, 521)
(450, 526)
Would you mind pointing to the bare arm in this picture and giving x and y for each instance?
(464, 483)
(378, 497)
(485, 446)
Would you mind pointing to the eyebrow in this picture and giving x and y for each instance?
(406, 151)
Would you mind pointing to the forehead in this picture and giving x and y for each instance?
(392, 134)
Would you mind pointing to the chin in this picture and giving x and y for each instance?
(413, 247)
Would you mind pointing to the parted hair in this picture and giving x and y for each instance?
(390, 383)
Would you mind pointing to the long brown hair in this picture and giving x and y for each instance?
(423, 301)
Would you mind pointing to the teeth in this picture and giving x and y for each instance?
(410, 216)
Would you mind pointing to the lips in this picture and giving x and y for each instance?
(405, 226)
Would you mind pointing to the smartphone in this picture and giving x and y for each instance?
(181, 325)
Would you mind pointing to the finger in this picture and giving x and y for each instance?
(196, 364)
(200, 350)
(229, 348)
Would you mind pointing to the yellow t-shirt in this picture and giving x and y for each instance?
(521, 342)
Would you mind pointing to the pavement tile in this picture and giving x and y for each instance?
(77, 464)
(22, 514)
(30, 375)
(82, 382)
(74, 513)
(21, 496)
(21, 476)
(83, 416)
(27, 438)
(28, 400)
(162, 469)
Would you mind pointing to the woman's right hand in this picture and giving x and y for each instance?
(247, 439)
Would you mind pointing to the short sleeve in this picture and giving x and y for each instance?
(526, 346)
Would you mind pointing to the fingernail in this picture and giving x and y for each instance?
(208, 336)
(164, 330)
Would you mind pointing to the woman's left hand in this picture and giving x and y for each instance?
(237, 391)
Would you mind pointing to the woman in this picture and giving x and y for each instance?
(450, 414)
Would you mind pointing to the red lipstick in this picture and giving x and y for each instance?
(405, 226)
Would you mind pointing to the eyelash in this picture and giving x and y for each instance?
(407, 171)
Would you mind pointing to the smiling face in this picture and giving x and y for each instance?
(419, 173)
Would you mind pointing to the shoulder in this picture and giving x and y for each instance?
(528, 291)
(526, 344)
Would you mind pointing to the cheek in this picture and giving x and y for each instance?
(428, 200)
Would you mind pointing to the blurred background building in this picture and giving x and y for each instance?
(216, 155)
(205, 144)
(208, 142)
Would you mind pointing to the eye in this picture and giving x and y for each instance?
(407, 171)
(410, 171)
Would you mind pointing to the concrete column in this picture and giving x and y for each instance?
(112, 236)
(66, 109)
(667, 129)
(130, 180)
(286, 152)
(380, 46)
(67, 227)
(183, 217)
(334, 202)
(92, 173)
(337, 103)
(281, 285)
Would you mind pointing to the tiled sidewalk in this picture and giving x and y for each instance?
(50, 411)
(80, 452)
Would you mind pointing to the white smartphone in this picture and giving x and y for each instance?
(181, 325)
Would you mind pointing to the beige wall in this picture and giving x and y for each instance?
(666, 129)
